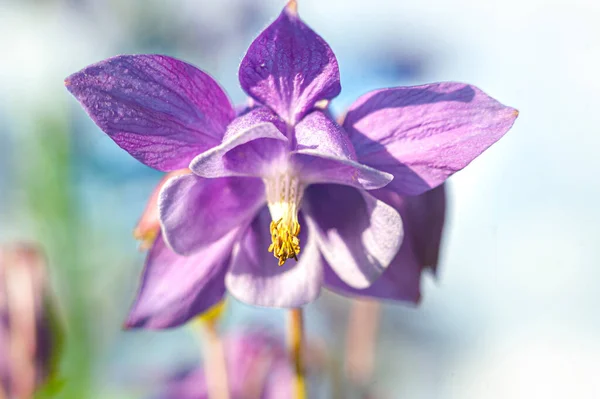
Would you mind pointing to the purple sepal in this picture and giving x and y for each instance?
(199, 278)
(289, 68)
(423, 134)
(161, 110)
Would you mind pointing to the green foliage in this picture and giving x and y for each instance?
(52, 204)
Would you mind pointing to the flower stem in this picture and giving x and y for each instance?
(361, 341)
(215, 364)
(296, 344)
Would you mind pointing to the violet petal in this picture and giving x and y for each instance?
(358, 235)
(161, 110)
(176, 288)
(423, 218)
(253, 142)
(255, 277)
(424, 134)
(195, 212)
(401, 280)
(326, 155)
(289, 68)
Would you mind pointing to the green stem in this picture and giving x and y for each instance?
(53, 205)
(296, 345)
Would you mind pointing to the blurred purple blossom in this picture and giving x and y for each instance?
(257, 366)
(27, 339)
(338, 182)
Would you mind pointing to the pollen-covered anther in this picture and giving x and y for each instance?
(285, 243)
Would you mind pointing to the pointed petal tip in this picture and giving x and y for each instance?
(70, 83)
(292, 8)
(128, 325)
(510, 115)
(135, 322)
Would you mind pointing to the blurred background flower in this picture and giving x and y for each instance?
(513, 310)
(30, 336)
(257, 367)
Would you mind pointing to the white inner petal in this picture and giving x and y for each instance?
(284, 194)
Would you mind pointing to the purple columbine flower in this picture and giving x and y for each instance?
(257, 366)
(283, 177)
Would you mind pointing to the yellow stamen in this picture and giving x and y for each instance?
(284, 240)
(284, 194)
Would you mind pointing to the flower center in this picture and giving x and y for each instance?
(284, 193)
